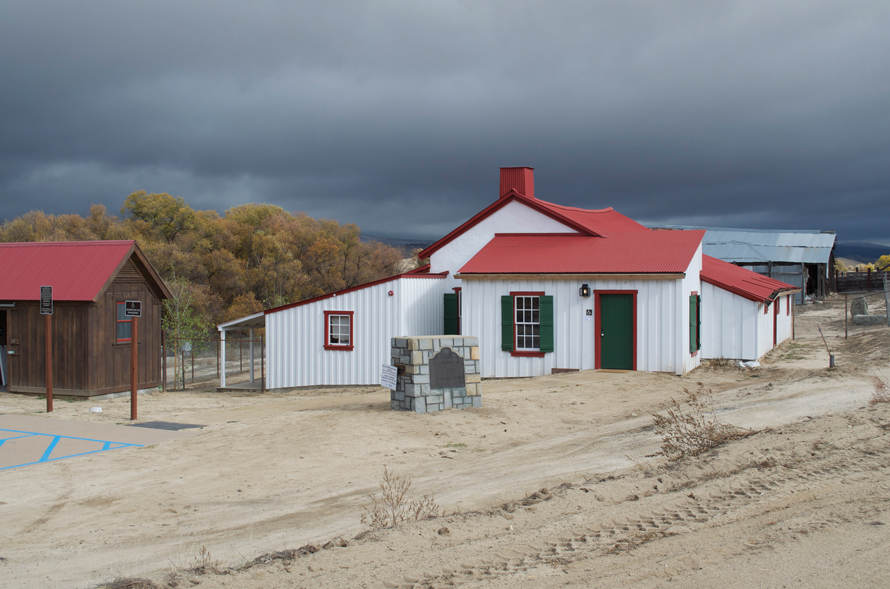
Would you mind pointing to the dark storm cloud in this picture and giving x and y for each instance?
(396, 115)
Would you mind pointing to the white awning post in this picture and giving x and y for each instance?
(222, 371)
(251, 354)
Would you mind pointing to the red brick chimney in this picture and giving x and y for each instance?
(522, 180)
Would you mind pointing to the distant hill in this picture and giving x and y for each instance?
(861, 251)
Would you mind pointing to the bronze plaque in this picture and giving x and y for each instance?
(447, 370)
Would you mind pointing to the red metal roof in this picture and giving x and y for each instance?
(77, 270)
(741, 281)
(628, 252)
(599, 221)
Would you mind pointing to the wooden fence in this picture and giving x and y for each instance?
(860, 281)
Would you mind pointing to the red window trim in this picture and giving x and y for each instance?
(126, 340)
(524, 353)
(327, 331)
(788, 305)
(597, 325)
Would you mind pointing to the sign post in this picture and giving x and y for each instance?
(46, 309)
(133, 309)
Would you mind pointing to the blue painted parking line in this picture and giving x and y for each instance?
(54, 443)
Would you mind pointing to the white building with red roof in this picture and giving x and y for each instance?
(545, 288)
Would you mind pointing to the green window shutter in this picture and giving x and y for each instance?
(698, 315)
(507, 323)
(693, 323)
(546, 307)
(451, 318)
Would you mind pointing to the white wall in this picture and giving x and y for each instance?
(737, 328)
(574, 336)
(729, 324)
(688, 285)
(296, 335)
(515, 217)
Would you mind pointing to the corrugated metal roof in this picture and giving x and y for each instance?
(77, 270)
(743, 282)
(631, 252)
(761, 246)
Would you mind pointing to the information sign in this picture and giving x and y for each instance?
(388, 376)
(133, 308)
(46, 300)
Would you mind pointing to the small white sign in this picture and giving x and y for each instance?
(388, 376)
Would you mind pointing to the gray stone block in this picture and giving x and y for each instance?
(446, 342)
(395, 406)
(870, 319)
(435, 399)
(398, 395)
(424, 389)
(436, 346)
(421, 379)
(477, 401)
(859, 306)
(425, 344)
(419, 404)
(410, 390)
(446, 399)
(424, 369)
(400, 342)
(404, 360)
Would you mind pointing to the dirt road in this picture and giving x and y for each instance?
(803, 502)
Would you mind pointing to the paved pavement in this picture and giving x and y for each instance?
(26, 440)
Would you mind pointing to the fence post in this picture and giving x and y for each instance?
(262, 363)
(868, 280)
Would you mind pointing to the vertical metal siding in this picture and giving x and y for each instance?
(296, 335)
(574, 343)
(729, 324)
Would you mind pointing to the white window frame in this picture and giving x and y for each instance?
(527, 323)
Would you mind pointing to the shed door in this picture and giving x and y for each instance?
(616, 331)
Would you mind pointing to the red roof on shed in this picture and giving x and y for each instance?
(627, 252)
(741, 281)
(77, 270)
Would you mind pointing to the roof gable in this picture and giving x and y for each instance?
(511, 196)
(741, 281)
(627, 252)
(77, 270)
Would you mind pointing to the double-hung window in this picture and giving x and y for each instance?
(338, 330)
(528, 323)
(123, 326)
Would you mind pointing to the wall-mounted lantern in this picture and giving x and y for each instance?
(584, 290)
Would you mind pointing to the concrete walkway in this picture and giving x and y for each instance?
(26, 440)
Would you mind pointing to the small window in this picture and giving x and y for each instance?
(123, 325)
(338, 330)
(528, 324)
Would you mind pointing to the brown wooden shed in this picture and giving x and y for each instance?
(91, 340)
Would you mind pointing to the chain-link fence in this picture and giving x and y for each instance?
(189, 362)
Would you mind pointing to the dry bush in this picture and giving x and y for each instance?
(694, 429)
(129, 583)
(882, 392)
(394, 504)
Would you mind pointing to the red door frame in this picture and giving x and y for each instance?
(775, 321)
(597, 326)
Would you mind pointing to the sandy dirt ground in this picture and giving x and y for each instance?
(551, 483)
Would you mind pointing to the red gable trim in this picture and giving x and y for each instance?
(412, 274)
(497, 205)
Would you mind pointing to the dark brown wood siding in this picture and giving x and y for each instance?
(27, 330)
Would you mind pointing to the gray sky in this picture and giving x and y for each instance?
(397, 115)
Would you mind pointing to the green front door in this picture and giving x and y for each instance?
(616, 331)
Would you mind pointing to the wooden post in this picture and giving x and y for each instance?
(262, 363)
(134, 360)
(49, 363)
(164, 360)
(845, 316)
(886, 299)
(868, 280)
